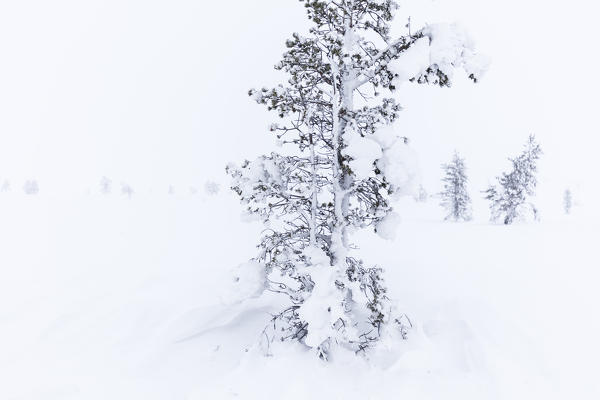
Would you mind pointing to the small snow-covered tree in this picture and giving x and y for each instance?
(509, 200)
(567, 201)
(31, 187)
(421, 195)
(211, 188)
(126, 190)
(455, 197)
(5, 186)
(342, 167)
(105, 185)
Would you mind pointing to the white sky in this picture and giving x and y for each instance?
(154, 92)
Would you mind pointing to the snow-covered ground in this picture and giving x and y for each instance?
(104, 297)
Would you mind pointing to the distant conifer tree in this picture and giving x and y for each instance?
(509, 200)
(455, 197)
(567, 201)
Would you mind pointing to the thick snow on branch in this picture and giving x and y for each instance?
(323, 308)
(387, 227)
(413, 62)
(452, 47)
(264, 173)
(398, 162)
(389, 153)
(443, 48)
(364, 151)
(262, 170)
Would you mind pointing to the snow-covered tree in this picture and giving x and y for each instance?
(343, 165)
(211, 188)
(31, 187)
(105, 185)
(509, 200)
(455, 197)
(5, 186)
(126, 190)
(422, 195)
(567, 201)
